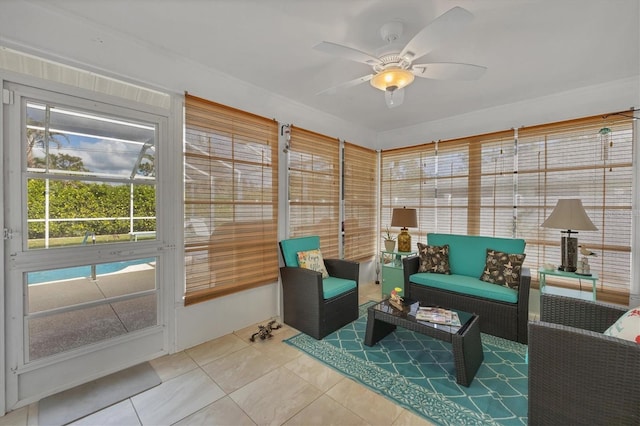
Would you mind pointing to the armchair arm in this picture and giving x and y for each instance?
(341, 268)
(584, 314)
(581, 377)
(410, 266)
(301, 284)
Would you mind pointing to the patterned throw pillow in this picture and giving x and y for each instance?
(434, 259)
(627, 327)
(503, 268)
(312, 259)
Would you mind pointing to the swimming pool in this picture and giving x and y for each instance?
(82, 271)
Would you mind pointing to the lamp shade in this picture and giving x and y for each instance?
(569, 214)
(404, 218)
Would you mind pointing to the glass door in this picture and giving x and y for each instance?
(83, 252)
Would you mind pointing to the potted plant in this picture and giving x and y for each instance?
(389, 240)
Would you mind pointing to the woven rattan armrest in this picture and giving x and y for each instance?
(341, 268)
(582, 377)
(583, 314)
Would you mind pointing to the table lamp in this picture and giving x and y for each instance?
(570, 215)
(405, 218)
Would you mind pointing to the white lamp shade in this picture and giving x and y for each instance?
(569, 214)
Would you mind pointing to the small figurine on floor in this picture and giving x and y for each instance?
(264, 331)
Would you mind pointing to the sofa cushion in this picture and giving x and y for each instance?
(503, 268)
(312, 259)
(627, 327)
(466, 285)
(434, 259)
(333, 286)
(467, 253)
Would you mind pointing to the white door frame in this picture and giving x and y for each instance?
(24, 383)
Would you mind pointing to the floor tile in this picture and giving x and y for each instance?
(314, 372)
(324, 411)
(275, 397)
(169, 366)
(216, 348)
(120, 414)
(407, 418)
(221, 412)
(373, 408)
(15, 418)
(235, 370)
(177, 398)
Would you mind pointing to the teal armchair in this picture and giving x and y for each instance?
(311, 304)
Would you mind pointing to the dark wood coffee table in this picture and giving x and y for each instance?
(383, 318)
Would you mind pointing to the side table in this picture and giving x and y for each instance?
(392, 271)
(542, 276)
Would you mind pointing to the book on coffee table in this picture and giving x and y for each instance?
(437, 315)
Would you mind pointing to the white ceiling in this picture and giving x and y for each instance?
(531, 48)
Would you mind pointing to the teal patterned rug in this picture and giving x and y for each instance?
(417, 372)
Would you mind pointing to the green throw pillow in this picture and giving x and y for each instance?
(434, 259)
(503, 268)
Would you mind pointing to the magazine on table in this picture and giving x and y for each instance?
(437, 315)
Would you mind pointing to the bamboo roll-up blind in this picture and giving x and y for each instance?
(314, 188)
(231, 203)
(360, 176)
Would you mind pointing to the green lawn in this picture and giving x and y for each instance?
(76, 241)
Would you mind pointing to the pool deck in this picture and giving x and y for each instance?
(58, 332)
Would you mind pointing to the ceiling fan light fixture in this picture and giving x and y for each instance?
(390, 78)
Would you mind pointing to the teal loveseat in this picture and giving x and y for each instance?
(503, 311)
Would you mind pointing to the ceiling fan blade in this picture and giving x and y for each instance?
(394, 98)
(346, 52)
(345, 85)
(436, 32)
(448, 71)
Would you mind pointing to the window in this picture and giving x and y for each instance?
(231, 203)
(506, 184)
(360, 186)
(314, 188)
(432, 178)
(77, 195)
(578, 159)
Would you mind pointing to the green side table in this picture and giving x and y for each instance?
(392, 272)
(542, 277)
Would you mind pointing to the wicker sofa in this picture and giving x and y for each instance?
(577, 375)
(504, 312)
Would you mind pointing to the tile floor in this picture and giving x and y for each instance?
(232, 381)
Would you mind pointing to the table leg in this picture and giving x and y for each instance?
(467, 353)
(376, 329)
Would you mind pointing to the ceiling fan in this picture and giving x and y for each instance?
(394, 70)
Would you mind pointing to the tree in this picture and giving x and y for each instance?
(61, 162)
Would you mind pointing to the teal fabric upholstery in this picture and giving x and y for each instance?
(466, 285)
(291, 247)
(467, 255)
(332, 286)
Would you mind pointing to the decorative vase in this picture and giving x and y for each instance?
(389, 245)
